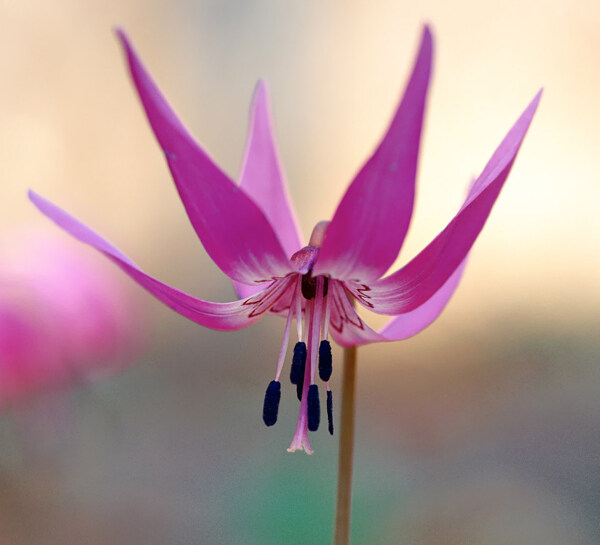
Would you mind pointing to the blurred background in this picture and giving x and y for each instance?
(482, 429)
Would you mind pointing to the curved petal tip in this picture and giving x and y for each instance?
(260, 89)
(121, 35)
(537, 98)
(427, 36)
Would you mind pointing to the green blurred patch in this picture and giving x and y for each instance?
(290, 498)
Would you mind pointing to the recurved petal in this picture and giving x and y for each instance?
(348, 329)
(262, 176)
(371, 221)
(423, 276)
(409, 324)
(232, 228)
(222, 316)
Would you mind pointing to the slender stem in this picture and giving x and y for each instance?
(346, 455)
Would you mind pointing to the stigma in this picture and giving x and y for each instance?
(309, 308)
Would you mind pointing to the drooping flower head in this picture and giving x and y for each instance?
(63, 319)
(250, 232)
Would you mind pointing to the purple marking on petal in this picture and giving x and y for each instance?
(285, 300)
(345, 325)
(351, 330)
(370, 223)
(232, 228)
(422, 277)
(222, 316)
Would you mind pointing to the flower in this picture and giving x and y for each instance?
(63, 319)
(250, 232)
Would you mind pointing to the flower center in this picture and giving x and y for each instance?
(308, 304)
(309, 286)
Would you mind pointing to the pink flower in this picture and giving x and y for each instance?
(250, 232)
(63, 319)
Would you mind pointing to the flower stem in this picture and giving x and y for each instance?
(346, 454)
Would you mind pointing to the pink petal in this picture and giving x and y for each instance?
(348, 329)
(263, 180)
(409, 324)
(232, 228)
(262, 176)
(222, 316)
(246, 290)
(422, 277)
(371, 221)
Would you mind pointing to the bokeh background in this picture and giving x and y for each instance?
(483, 429)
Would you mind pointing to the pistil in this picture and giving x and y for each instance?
(300, 439)
(329, 411)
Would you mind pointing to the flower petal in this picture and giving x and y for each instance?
(421, 278)
(232, 228)
(222, 316)
(262, 179)
(371, 221)
(409, 324)
(246, 290)
(348, 329)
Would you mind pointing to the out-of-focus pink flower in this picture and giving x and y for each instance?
(251, 233)
(64, 317)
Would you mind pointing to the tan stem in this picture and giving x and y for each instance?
(346, 454)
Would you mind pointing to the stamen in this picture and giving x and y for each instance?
(298, 367)
(330, 412)
(298, 309)
(314, 408)
(286, 336)
(271, 405)
(325, 321)
(316, 328)
(325, 360)
(298, 363)
(308, 316)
